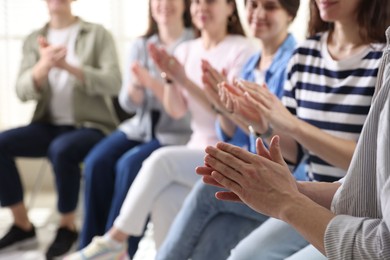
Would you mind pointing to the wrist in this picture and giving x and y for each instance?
(293, 207)
(267, 134)
(167, 80)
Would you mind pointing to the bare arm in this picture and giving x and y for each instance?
(332, 149)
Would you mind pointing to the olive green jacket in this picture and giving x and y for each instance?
(92, 100)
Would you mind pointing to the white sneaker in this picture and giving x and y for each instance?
(99, 249)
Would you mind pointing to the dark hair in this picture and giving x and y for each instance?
(290, 6)
(153, 29)
(373, 18)
(234, 24)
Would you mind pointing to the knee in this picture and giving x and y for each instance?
(156, 161)
(204, 194)
(93, 162)
(4, 143)
(58, 151)
(129, 162)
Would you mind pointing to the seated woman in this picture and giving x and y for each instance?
(112, 165)
(70, 69)
(361, 80)
(168, 174)
(344, 220)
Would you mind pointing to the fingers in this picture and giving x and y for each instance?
(226, 182)
(275, 151)
(261, 149)
(203, 170)
(228, 196)
(212, 76)
(42, 41)
(256, 102)
(233, 153)
(221, 166)
(231, 89)
(210, 181)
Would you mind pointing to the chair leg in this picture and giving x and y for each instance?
(37, 184)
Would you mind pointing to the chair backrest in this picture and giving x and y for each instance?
(121, 114)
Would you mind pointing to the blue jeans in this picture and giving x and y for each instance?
(273, 240)
(309, 252)
(110, 169)
(203, 229)
(65, 147)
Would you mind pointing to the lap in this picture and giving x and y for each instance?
(32, 140)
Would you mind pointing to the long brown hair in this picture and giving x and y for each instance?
(234, 24)
(153, 28)
(373, 18)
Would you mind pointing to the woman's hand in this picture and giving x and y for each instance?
(262, 181)
(51, 56)
(141, 75)
(234, 101)
(211, 78)
(168, 64)
(269, 106)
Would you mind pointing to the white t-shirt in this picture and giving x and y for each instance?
(230, 54)
(61, 81)
(259, 76)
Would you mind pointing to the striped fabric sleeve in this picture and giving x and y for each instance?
(368, 237)
(350, 237)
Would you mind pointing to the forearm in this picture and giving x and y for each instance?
(158, 89)
(321, 193)
(174, 102)
(288, 145)
(75, 71)
(334, 150)
(227, 126)
(309, 219)
(40, 75)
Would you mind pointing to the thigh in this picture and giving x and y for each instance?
(111, 148)
(274, 239)
(75, 144)
(30, 141)
(232, 228)
(309, 252)
(179, 162)
(137, 154)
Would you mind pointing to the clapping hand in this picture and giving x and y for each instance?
(169, 66)
(262, 181)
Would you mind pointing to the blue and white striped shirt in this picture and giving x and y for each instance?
(332, 95)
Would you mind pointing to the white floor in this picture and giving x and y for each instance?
(43, 216)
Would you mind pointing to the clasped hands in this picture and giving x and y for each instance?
(51, 56)
(262, 181)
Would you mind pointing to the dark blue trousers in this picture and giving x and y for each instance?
(64, 146)
(109, 170)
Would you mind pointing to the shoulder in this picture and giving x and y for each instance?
(311, 45)
(137, 43)
(187, 46)
(252, 62)
(238, 47)
(31, 40)
(238, 41)
(94, 29)
(375, 51)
